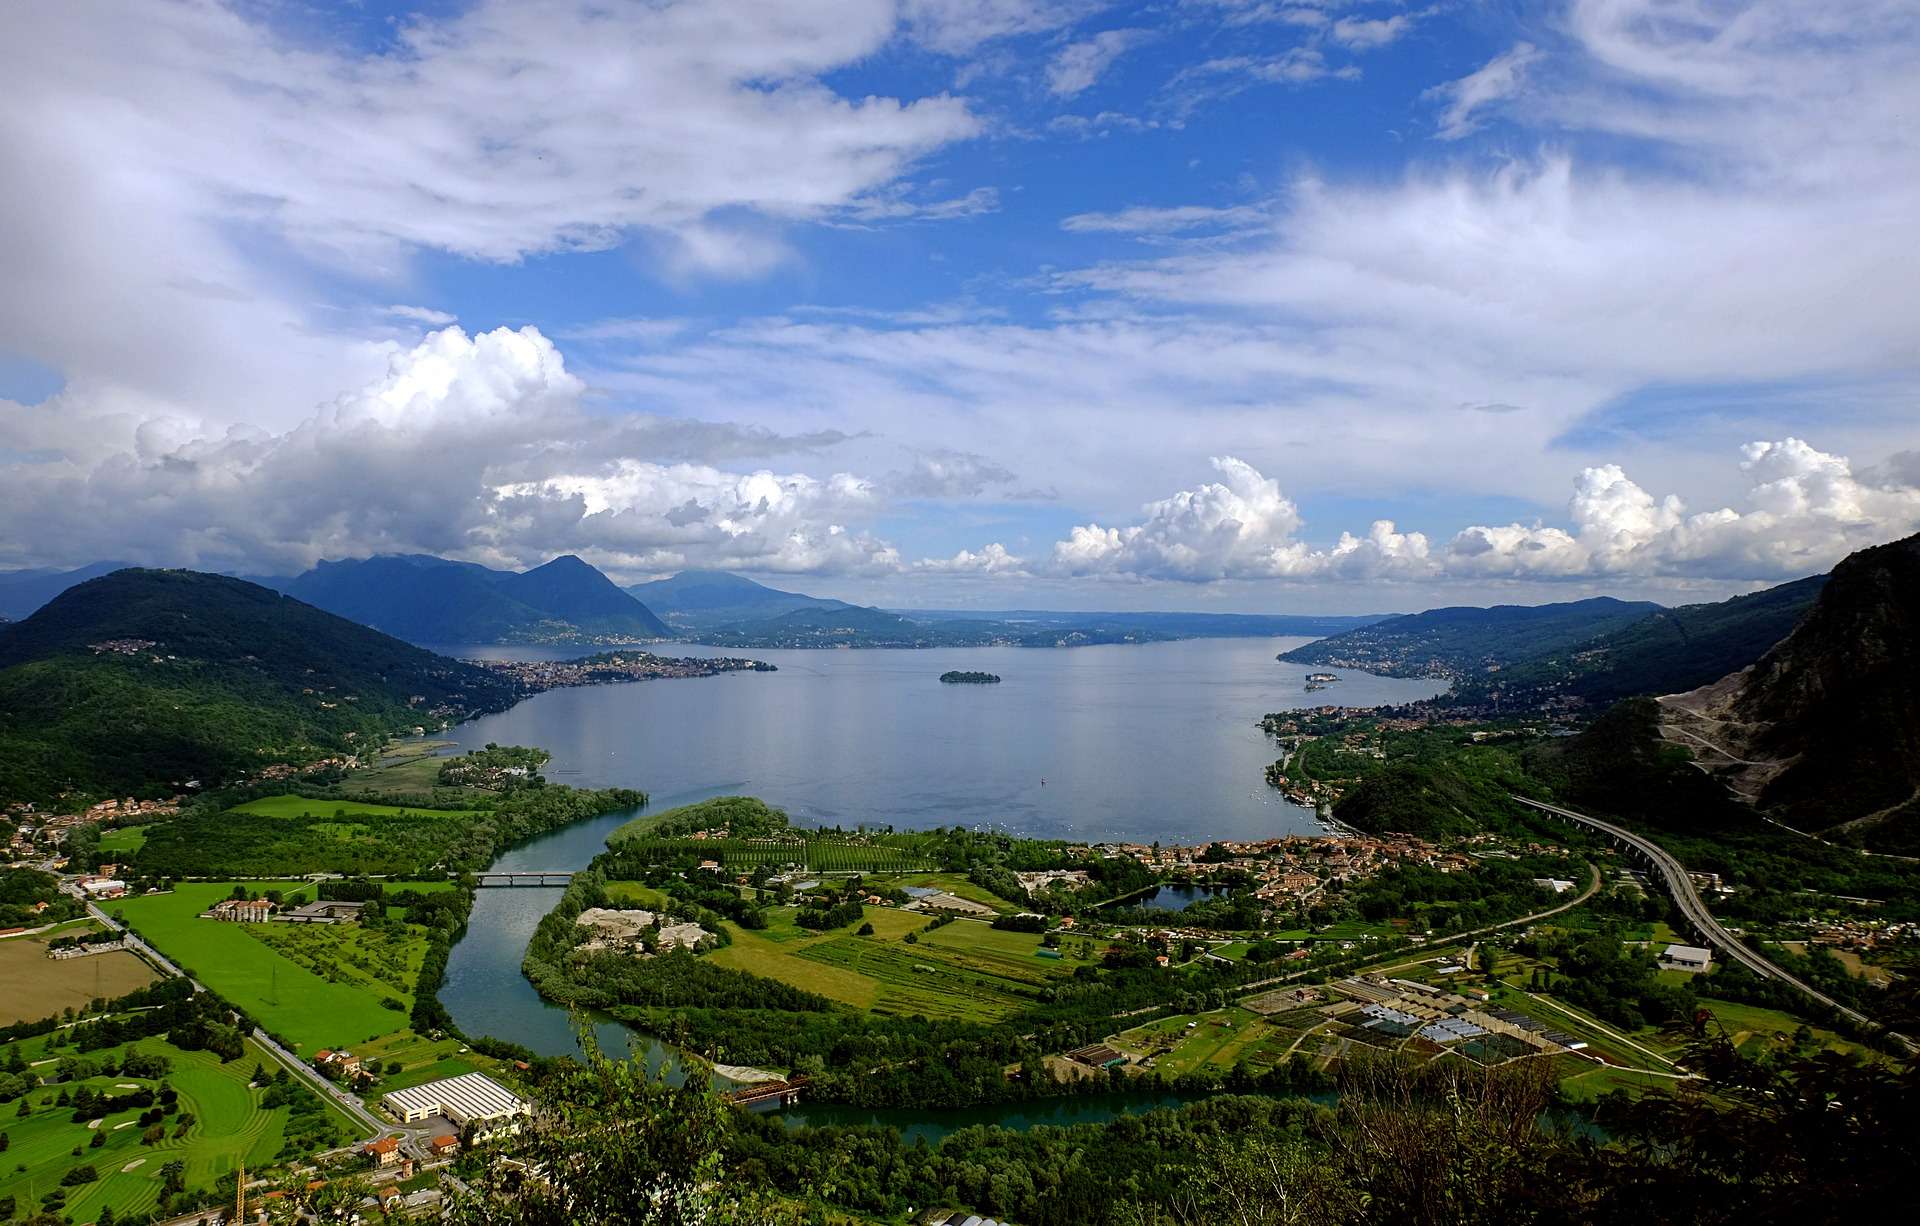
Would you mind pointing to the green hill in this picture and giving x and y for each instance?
(139, 681)
(1664, 652)
(703, 599)
(1462, 642)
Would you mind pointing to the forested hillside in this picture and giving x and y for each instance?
(1465, 642)
(142, 680)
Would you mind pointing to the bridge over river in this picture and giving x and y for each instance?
(534, 877)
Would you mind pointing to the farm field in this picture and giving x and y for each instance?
(960, 970)
(1220, 1038)
(382, 963)
(288, 999)
(302, 806)
(229, 1126)
(39, 986)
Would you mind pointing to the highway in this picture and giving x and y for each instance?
(1680, 887)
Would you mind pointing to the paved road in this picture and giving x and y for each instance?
(1680, 887)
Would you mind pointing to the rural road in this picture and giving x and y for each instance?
(1680, 887)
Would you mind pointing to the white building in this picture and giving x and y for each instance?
(1553, 883)
(1686, 958)
(471, 1098)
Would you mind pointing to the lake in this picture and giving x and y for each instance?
(1141, 742)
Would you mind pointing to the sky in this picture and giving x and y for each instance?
(1262, 305)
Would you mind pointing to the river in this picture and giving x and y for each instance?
(1138, 742)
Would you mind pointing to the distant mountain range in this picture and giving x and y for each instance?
(23, 591)
(426, 599)
(696, 600)
(139, 681)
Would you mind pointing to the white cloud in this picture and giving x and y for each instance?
(475, 447)
(992, 560)
(1807, 511)
(1367, 33)
(1079, 64)
(1164, 220)
(958, 27)
(422, 315)
(1496, 81)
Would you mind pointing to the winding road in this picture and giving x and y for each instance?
(1680, 886)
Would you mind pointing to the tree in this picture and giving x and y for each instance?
(615, 1147)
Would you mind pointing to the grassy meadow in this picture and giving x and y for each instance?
(301, 1005)
(965, 969)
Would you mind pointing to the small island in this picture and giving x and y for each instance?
(959, 678)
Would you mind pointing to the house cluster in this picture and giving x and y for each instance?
(281, 771)
(1860, 935)
(1294, 868)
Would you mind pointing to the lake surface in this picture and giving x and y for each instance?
(1142, 742)
(1138, 742)
(1171, 897)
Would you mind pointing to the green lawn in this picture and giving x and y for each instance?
(230, 1127)
(1221, 1038)
(287, 998)
(124, 840)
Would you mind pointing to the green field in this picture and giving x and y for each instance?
(1220, 1038)
(287, 998)
(963, 970)
(123, 841)
(230, 1127)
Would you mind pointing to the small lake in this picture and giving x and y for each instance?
(1172, 897)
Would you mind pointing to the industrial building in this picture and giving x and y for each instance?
(471, 1098)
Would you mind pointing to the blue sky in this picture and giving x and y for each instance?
(1260, 304)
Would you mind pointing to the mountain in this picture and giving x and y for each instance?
(1458, 643)
(139, 681)
(23, 591)
(1664, 652)
(1162, 625)
(426, 599)
(698, 599)
(1824, 730)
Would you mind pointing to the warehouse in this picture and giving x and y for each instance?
(469, 1099)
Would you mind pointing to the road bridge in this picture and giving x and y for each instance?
(1679, 886)
(533, 877)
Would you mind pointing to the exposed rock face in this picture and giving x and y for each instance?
(1824, 730)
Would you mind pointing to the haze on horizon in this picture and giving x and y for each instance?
(1262, 305)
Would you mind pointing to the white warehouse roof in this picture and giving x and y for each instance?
(470, 1096)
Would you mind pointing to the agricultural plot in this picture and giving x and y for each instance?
(1221, 1038)
(382, 962)
(961, 970)
(39, 986)
(229, 1125)
(290, 1000)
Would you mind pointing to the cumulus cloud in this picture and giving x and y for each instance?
(1079, 64)
(472, 446)
(1499, 79)
(991, 560)
(1806, 511)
